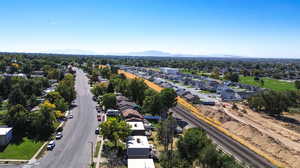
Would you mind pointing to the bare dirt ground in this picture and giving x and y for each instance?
(271, 136)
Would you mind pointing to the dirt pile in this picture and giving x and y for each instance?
(267, 139)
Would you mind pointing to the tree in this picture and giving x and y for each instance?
(168, 99)
(110, 88)
(17, 117)
(53, 96)
(66, 88)
(136, 90)
(109, 100)
(17, 96)
(43, 121)
(215, 74)
(191, 143)
(297, 84)
(152, 104)
(115, 130)
(99, 89)
(166, 132)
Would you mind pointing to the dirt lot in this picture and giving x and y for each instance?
(269, 135)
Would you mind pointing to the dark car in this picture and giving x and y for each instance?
(97, 131)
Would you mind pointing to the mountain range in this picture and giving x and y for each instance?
(150, 53)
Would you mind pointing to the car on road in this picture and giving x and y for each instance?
(99, 118)
(51, 145)
(97, 131)
(70, 115)
(59, 135)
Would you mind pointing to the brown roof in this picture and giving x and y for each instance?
(130, 113)
(134, 119)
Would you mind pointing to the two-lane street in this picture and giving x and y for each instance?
(74, 149)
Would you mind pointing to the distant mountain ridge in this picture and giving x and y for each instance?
(149, 53)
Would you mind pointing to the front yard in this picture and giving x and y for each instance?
(23, 150)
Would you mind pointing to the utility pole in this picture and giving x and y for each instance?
(92, 147)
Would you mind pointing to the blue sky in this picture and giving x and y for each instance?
(256, 28)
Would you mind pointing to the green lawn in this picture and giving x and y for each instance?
(23, 150)
(269, 83)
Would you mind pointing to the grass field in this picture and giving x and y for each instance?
(269, 83)
(23, 150)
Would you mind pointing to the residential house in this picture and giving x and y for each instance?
(137, 128)
(5, 135)
(138, 147)
(140, 163)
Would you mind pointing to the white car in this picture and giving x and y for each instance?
(51, 145)
(70, 115)
(59, 135)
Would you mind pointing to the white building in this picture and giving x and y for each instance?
(169, 70)
(137, 128)
(5, 135)
(138, 147)
(140, 163)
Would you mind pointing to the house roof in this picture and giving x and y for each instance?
(134, 119)
(140, 163)
(137, 142)
(131, 113)
(136, 125)
(4, 131)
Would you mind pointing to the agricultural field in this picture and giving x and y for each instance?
(269, 83)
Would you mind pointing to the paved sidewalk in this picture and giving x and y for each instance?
(98, 160)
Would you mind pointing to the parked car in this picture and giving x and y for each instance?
(97, 131)
(59, 135)
(99, 117)
(51, 145)
(70, 115)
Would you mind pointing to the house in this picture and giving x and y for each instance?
(190, 97)
(121, 98)
(131, 113)
(138, 147)
(181, 92)
(5, 135)
(228, 94)
(167, 70)
(137, 128)
(209, 102)
(124, 105)
(140, 163)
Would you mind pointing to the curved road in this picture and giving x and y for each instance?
(74, 149)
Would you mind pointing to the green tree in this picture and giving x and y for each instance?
(136, 89)
(191, 143)
(297, 84)
(168, 99)
(99, 89)
(115, 130)
(110, 88)
(17, 96)
(17, 117)
(152, 104)
(109, 100)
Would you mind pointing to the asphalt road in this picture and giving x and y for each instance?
(228, 144)
(74, 149)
